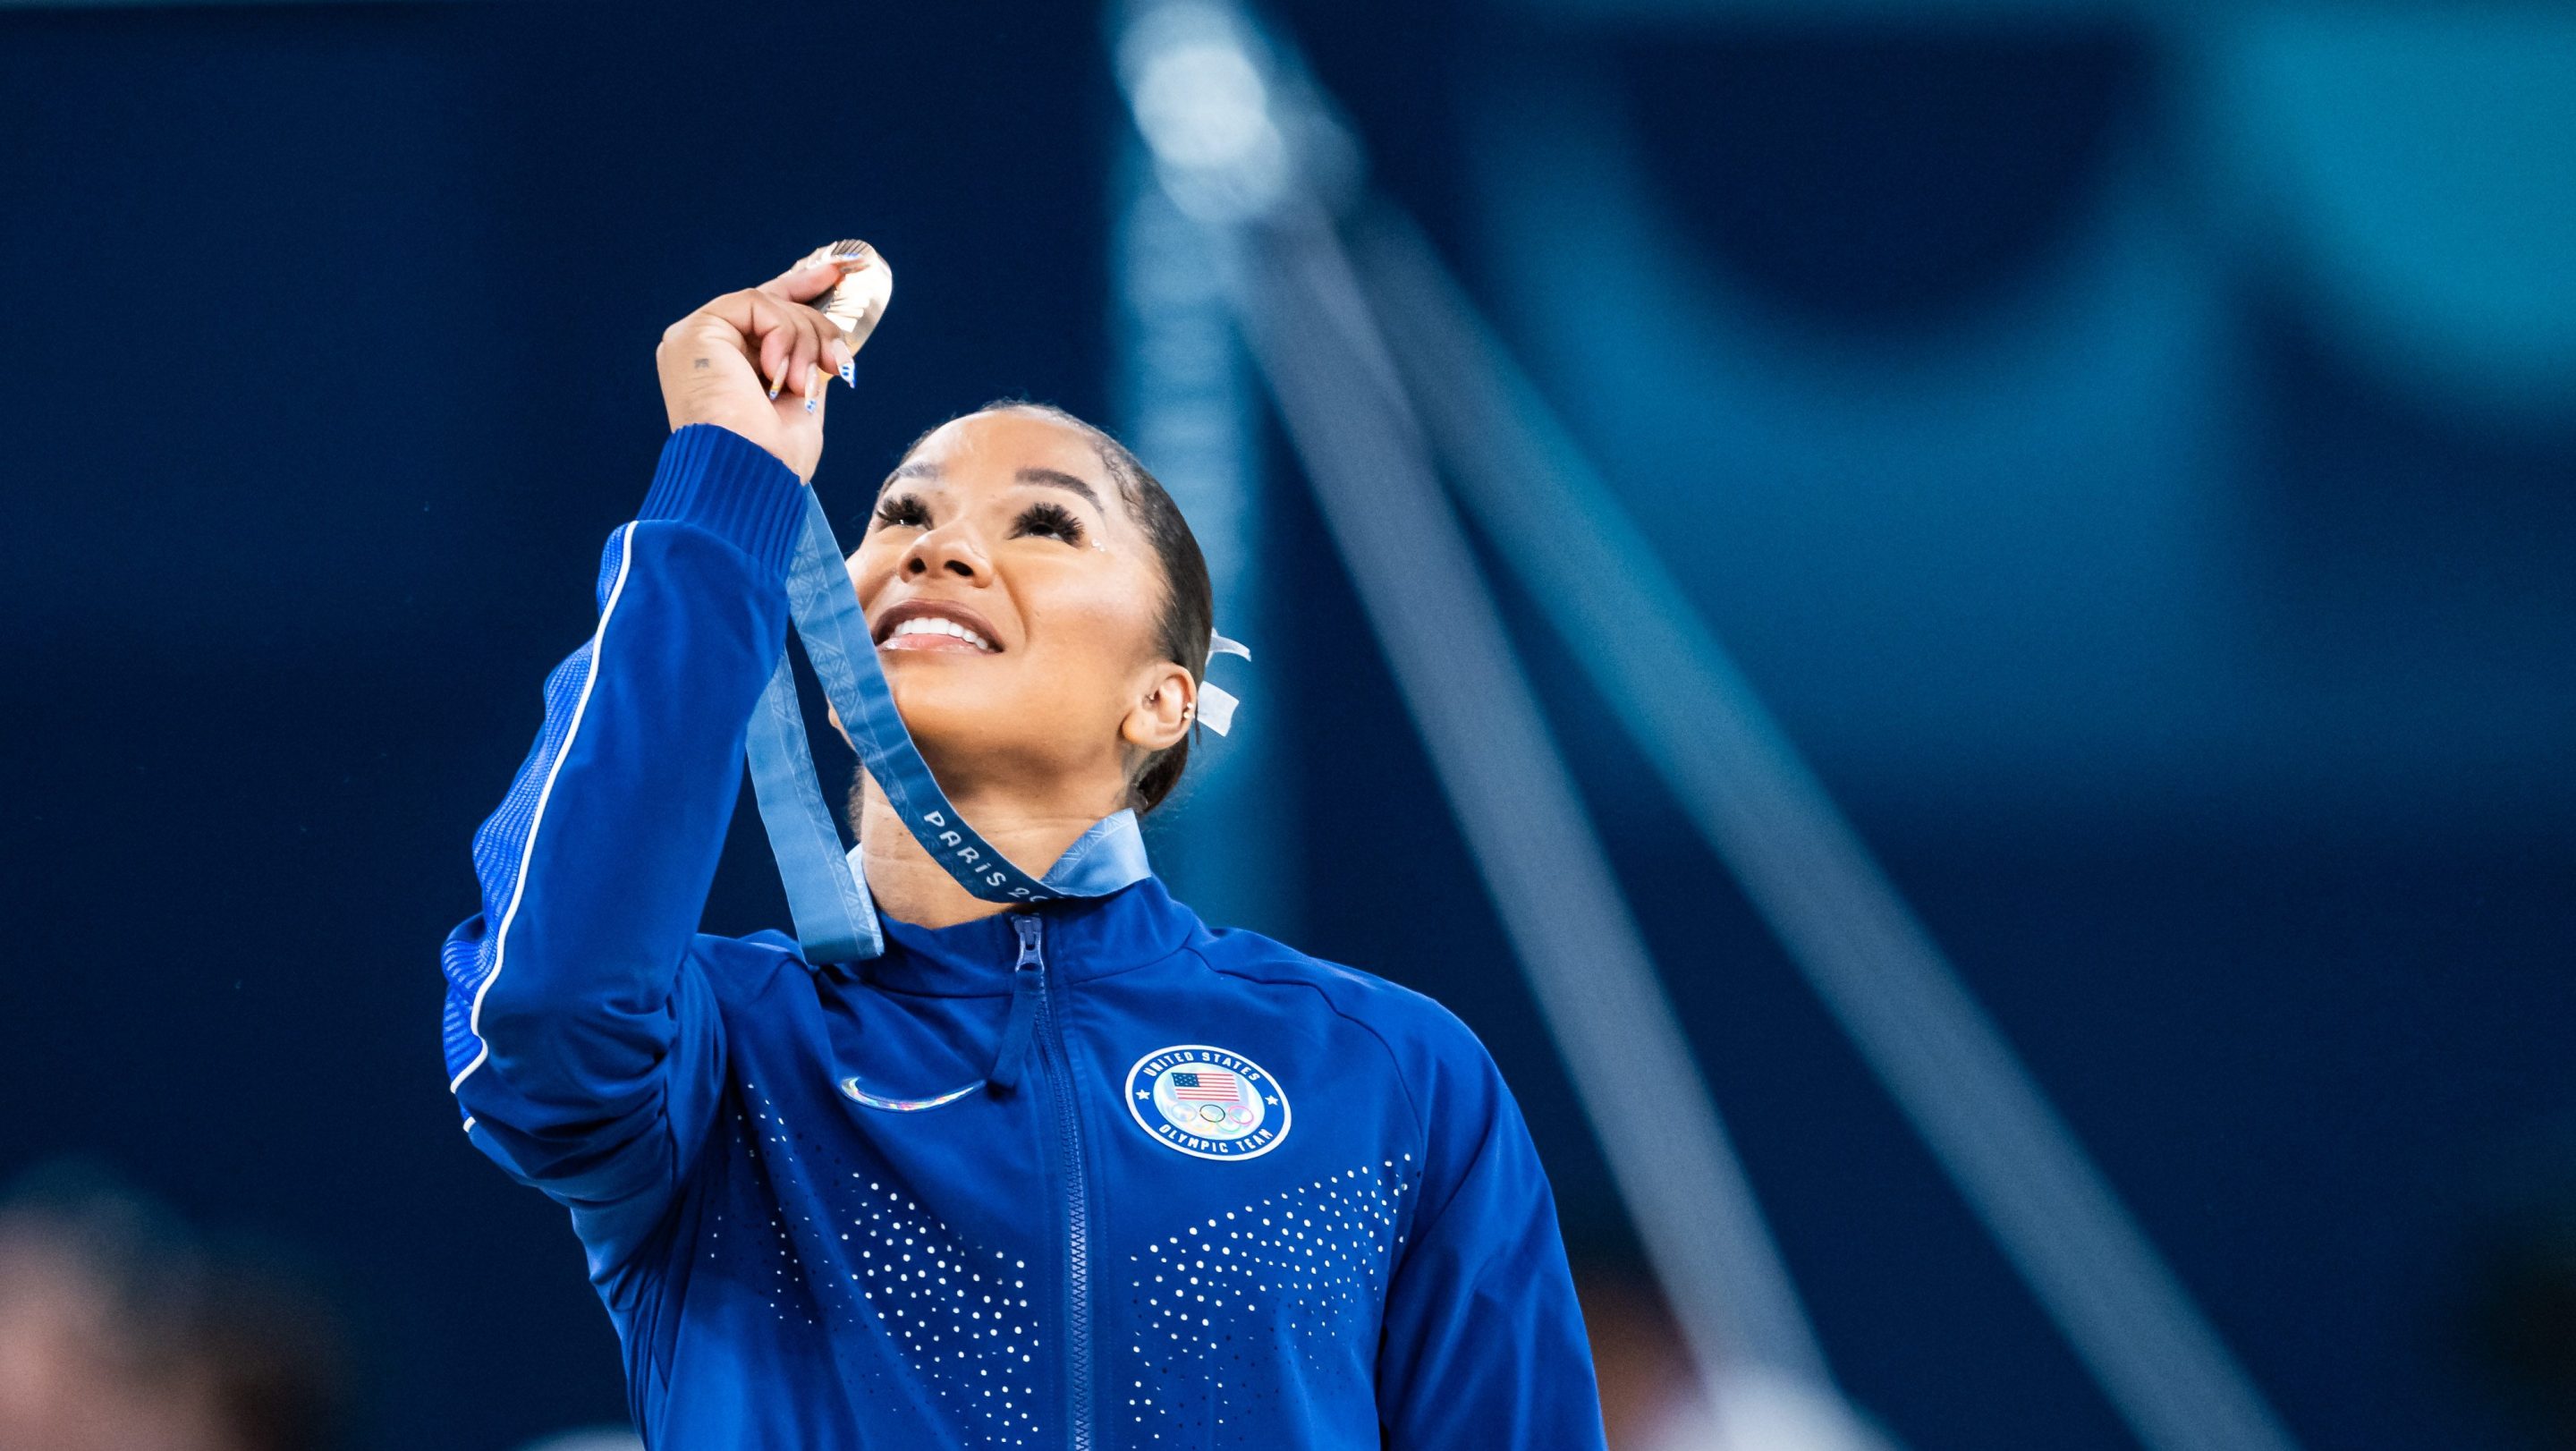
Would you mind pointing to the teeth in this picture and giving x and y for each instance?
(936, 625)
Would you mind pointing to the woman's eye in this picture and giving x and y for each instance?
(1050, 519)
(902, 511)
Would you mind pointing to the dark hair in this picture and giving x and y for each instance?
(1189, 602)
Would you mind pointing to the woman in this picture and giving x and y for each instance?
(1201, 1190)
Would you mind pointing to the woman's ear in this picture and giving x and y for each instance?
(1165, 703)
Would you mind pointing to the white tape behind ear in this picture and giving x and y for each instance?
(1216, 708)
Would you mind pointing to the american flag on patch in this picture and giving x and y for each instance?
(1207, 1085)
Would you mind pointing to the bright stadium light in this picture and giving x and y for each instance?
(1202, 101)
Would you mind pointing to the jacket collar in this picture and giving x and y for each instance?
(1085, 937)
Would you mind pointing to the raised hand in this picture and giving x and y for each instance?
(757, 362)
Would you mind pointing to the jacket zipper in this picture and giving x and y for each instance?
(1057, 1066)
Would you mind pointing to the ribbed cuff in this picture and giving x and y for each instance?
(724, 483)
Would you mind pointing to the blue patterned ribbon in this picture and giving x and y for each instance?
(826, 893)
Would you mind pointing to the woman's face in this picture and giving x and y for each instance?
(1015, 604)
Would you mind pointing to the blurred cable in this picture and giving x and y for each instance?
(1202, 103)
(1241, 143)
(1188, 402)
(1515, 799)
(1560, 527)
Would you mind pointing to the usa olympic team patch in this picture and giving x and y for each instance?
(1207, 1102)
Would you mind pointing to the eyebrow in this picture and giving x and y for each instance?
(1051, 478)
(1057, 479)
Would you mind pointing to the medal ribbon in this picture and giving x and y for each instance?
(836, 921)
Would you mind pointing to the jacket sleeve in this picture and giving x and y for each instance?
(1483, 1346)
(583, 1043)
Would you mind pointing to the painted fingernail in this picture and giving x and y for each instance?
(776, 383)
(850, 371)
(811, 373)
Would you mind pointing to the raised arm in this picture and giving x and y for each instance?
(582, 1042)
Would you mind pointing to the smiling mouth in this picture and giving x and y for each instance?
(937, 632)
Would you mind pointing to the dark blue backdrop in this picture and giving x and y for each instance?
(331, 334)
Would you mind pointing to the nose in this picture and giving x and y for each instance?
(950, 551)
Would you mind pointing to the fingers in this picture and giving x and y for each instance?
(808, 353)
(777, 333)
(783, 334)
(790, 338)
(785, 339)
(815, 375)
(802, 282)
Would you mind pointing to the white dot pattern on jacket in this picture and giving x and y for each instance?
(1214, 1300)
(959, 1314)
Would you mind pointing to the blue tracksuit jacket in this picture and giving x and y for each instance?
(1236, 1197)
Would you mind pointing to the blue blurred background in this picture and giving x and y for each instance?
(2131, 446)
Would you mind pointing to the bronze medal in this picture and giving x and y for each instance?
(856, 301)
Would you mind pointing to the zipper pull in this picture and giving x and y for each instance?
(1027, 980)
